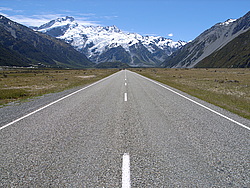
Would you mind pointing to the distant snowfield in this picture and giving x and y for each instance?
(96, 40)
(113, 37)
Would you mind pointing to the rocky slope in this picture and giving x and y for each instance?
(235, 54)
(208, 42)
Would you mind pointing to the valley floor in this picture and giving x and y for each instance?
(227, 88)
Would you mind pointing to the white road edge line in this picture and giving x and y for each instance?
(125, 74)
(236, 122)
(125, 97)
(27, 115)
(126, 171)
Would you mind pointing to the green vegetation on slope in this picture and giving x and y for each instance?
(236, 54)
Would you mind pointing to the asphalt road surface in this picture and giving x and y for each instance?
(124, 131)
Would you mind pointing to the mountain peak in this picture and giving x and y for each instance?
(57, 26)
(110, 44)
(112, 29)
(22, 46)
(227, 22)
(67, 18)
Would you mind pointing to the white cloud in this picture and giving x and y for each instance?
(37, 20)
(87, 19)
(86, 14)
(170, 34)
(5, 9)
(9, 9)
(109, 17)
(29, 21)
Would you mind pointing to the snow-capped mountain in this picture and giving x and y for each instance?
(21, 46)
(103, 44)
(211, 40)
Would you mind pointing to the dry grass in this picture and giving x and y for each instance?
(227, 88)
(19, 84)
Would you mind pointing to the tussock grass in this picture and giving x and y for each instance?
(227, 88)
(12, 93)
(18, 84)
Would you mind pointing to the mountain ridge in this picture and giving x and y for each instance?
(235, 54)
(206, 43)
(46, 45)
(96, 42)
(35, 48)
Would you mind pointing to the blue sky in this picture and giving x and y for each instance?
(175, 19)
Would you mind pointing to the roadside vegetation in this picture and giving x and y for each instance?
(20, 84)
(227, 88)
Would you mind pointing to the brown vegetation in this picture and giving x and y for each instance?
(227, 88)
(19, 84)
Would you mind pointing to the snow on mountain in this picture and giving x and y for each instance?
(59, 22)
(97, 42)
(227, 22)
(21, 46)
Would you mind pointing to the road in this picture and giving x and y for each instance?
(125, 131)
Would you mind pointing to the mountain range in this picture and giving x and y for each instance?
(213, 41)
(110, 44)
(65, 43)
(21, 46)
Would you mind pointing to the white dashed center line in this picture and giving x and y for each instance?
(125, 97)
(125, 171)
